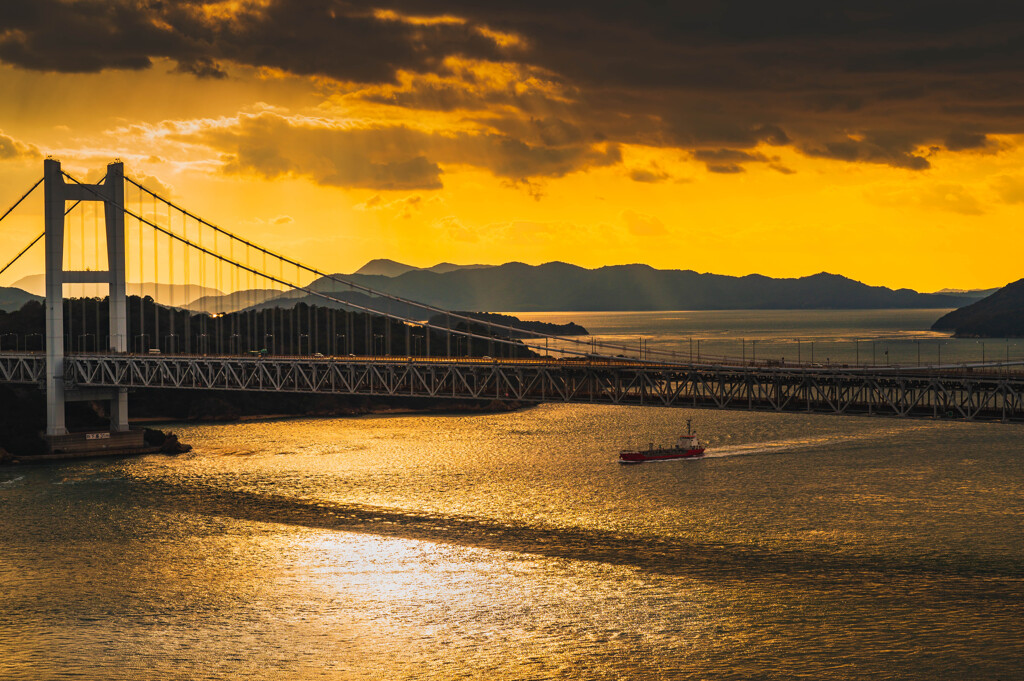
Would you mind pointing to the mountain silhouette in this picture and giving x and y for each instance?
(391, 268)
(558, 286)
(1000, 315)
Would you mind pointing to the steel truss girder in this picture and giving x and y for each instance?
(910, 394)
(25, 368)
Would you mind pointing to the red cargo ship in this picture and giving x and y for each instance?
(688, 447)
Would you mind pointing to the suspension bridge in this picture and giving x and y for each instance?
(286, 326)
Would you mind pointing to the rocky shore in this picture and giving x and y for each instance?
(166, 443)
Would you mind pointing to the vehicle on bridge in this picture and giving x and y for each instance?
(688, 447)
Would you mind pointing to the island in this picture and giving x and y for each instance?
(1000, 315)
(525, 327)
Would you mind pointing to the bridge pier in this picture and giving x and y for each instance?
(57, 194)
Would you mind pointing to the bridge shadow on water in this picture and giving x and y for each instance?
(988, 576)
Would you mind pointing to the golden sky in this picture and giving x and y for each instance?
(877, 143)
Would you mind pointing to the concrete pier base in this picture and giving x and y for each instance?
(73, 445)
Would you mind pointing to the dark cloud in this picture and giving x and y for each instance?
(546, 132)
(202, 68)
(271, 145)
(725, 168)
(11, 148)
(866, 82)
(772, 134)
(731, 155)
(653, 173)
(306, 37)
(386, 157)
(457, 86)
(81, 37)
(730, 160)
(514, 159)
(894, 153)
(959, 140)
(554, 131)
(820, 76)
(435, 96)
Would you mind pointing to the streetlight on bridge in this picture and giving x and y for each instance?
(16, 340)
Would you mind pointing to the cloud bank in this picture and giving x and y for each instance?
(542, 89)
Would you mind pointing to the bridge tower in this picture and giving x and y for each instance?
(57, 194)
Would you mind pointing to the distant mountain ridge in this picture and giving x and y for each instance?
(559, 286)
(390, 268)
(972, 293)
(166, 294)
(1000, 315)
(12, 298)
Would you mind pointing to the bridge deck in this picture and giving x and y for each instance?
(962, 392)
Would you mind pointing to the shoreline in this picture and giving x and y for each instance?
(148, 423)
(248, 418)
(223, 411)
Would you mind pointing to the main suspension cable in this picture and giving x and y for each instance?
(390, 297)
(41, 234)
(23, 252)
(306, 289)
(24, 196)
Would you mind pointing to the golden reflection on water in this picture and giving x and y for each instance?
(514, 546)
(501, 610)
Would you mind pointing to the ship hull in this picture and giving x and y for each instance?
(660, 455)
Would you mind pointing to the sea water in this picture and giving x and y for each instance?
(515, 546)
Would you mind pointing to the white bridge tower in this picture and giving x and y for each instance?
(58, 193)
